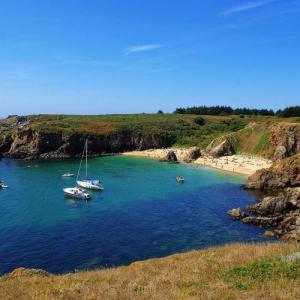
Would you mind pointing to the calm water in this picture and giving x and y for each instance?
(142, 213)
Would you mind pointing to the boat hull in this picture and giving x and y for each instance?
(76, 194)
(89, 185)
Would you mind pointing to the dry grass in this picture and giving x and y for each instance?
(231, 272)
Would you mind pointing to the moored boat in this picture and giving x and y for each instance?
(87, 183)
(3, 185)
(77, 193)
(90, 184)
(180, 179)
(67, 175)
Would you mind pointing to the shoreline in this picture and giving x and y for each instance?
(237, 164)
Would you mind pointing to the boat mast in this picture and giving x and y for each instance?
(86, 152)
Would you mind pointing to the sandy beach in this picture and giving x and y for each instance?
(240, 164)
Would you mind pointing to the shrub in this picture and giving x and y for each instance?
(199, 121)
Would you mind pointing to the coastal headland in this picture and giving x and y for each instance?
(265, 149)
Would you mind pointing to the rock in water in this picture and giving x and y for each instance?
(269, 206)
(236, 214)
(269, 233)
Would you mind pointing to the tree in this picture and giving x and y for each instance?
(292, 111)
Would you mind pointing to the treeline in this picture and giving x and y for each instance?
(292, 111)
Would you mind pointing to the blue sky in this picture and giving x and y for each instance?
(132, 56)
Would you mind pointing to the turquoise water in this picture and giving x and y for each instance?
(142, 213)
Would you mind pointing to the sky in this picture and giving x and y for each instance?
(135, 56)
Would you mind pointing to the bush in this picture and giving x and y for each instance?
(199, 121)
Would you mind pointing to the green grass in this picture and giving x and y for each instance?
(263, 142)
(262, 270)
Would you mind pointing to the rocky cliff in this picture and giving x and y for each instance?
(278, 206)
(272, 140)
(23, 140)
(283, 173)
(32, 144)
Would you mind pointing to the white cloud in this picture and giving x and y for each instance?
(142, 48)
(245, 7)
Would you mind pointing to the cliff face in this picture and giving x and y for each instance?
(283, 173)
(271, 140)
(32, 144)
(284, 141)
(280, 205)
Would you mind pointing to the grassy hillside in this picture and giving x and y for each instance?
(263, 137)
(182, 129)
(230, 272)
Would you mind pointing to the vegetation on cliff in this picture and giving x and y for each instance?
(270, 139)
(63, 135)
(266, 271)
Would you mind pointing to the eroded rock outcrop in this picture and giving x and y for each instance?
(221, 147)
(284, 173)
(284, 140)
(280, 212)
(170, 156)
(187, 155)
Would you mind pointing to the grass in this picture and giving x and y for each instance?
(236, 271)
(263, 142)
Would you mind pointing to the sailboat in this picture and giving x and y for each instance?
(87, 182)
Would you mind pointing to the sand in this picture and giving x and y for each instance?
(240, 164)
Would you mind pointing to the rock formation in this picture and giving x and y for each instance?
(29, 143)
(236, 214)
(169, 157)
(281, 212)
(284, 173)
(221, 147)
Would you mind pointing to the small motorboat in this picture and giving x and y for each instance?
(77, 193)
(3, 185)
(180, 179)
(68, 175)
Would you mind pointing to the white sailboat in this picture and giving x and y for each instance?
(87, 182)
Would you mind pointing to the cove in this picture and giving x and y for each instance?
(142, 213)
